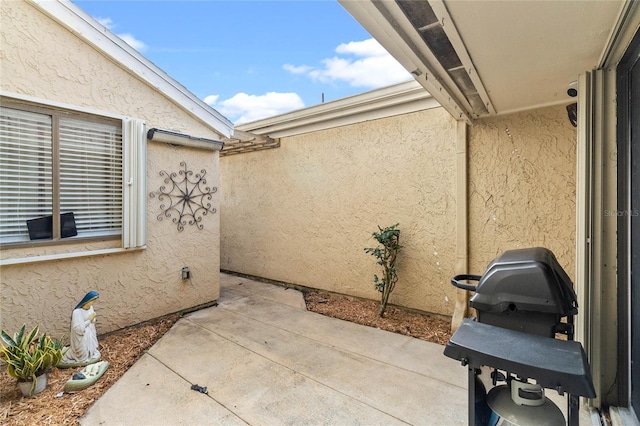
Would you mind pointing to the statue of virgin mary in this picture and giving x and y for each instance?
(83, 347)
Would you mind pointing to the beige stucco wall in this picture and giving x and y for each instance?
(302, 213)
(522, 186)
(133, 286)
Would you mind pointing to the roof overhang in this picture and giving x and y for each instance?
(480, 58)
(393, 100)
(92, 32)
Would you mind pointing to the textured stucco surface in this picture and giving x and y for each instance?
(303, 213)
(522, 186)
(133, 286)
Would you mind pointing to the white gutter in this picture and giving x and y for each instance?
(92, 32)
(174, 138)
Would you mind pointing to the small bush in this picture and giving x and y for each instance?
(386, 253)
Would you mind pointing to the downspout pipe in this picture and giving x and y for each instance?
(461, 309)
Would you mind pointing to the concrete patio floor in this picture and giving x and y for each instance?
(266, 360)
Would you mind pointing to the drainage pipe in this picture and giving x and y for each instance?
(461, 309)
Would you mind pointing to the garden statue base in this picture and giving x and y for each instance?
(70, 364)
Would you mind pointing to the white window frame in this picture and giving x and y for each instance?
(133, 232)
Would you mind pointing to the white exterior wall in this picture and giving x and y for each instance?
(41, 59)
(304, 212)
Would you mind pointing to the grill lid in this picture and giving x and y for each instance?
(528, 279)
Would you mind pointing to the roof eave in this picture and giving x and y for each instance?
(394, 33)
(98, 36)
(392, 100)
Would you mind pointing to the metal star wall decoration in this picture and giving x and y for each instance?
(185, 197)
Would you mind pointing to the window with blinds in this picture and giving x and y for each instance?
(26, 171)
(52, 163)
(91, 175)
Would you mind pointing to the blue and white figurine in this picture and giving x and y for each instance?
(83, 348)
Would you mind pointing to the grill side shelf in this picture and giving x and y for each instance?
(553, 363)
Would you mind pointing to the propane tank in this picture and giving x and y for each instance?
(522, 404)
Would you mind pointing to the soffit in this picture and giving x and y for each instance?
(527, 52)
(517, 54)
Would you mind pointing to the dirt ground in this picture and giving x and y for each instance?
(124, 347)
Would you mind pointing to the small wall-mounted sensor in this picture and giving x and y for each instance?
(573, 89)
(186, 273)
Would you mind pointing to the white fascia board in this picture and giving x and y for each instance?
(92, 32)
(398, 99)
(423, 65)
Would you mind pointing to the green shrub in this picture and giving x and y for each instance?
(386, 253)
(28, 355)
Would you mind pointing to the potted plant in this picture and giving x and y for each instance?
(29, 357)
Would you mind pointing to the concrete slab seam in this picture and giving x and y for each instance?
(207, 395)
(346, 350)
(297, 372)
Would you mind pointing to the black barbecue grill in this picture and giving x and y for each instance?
(523, 301)
(525, 290)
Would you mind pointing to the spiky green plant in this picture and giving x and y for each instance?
(28, 355)
(386, 253)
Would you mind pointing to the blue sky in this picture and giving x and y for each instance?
(254, 59)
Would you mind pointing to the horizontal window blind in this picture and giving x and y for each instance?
(26, 176)
(91, 175)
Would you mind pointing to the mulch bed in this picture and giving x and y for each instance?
(365, 312)
(122, 349)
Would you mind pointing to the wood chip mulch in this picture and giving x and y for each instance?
(123, 348)
(365, 312)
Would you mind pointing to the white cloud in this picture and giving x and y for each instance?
(366, 48)
(371, 72)
(243, 108)
(128, 38)
(107, 22)
(133, 42)
(360, 64)
(303, 69)
(211, 99)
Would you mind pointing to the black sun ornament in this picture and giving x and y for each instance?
(185, 197)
